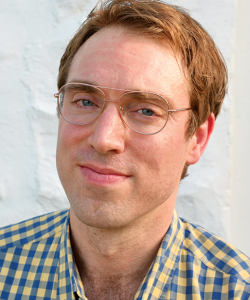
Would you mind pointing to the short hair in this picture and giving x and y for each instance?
(206, 69)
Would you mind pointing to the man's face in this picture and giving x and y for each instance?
(112, 175)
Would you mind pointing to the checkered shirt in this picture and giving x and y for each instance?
(36, 262)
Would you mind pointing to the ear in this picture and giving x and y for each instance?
(199, 140)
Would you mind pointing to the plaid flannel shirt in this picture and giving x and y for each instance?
(36, 262)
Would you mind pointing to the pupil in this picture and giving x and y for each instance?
(147, 112)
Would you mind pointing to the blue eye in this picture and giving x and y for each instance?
(147, 112)
(87, 103)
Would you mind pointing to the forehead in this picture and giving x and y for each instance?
(117, 58)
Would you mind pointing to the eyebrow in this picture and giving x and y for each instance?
(82, 81)
(166, 97)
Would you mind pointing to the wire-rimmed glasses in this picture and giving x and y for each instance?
(143, 112)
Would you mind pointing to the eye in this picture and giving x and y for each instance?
(85, 102)
(146, 112)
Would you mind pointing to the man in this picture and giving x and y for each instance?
(140, 86)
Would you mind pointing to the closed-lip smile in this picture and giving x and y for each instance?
(100, 175)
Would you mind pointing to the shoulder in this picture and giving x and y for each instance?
(214, 253)
(32, 230)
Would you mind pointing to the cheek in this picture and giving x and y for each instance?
(69, 139)
(163, 156)
(65, 150)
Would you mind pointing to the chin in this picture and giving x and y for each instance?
(100, 218)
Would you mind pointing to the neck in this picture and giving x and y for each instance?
(119, 251)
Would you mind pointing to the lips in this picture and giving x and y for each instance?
(101, 175)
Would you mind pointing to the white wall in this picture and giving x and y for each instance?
(240, 171)
(33, 36)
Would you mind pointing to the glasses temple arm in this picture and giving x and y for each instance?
(176, 110)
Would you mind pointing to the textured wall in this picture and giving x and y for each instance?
(33, 36)
(240, 170)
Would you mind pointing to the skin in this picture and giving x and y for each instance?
(122, 186)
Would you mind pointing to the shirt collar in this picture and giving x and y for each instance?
(68, 276)
(158, 279)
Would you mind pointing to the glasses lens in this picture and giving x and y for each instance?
(145, 113)
(80, 103)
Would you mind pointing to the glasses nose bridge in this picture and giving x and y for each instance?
(110, 100)
(113, 94)
(117, 105)
(124, 92)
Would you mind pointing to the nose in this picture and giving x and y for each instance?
(108, 132)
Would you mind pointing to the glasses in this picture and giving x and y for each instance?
(143, 112)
